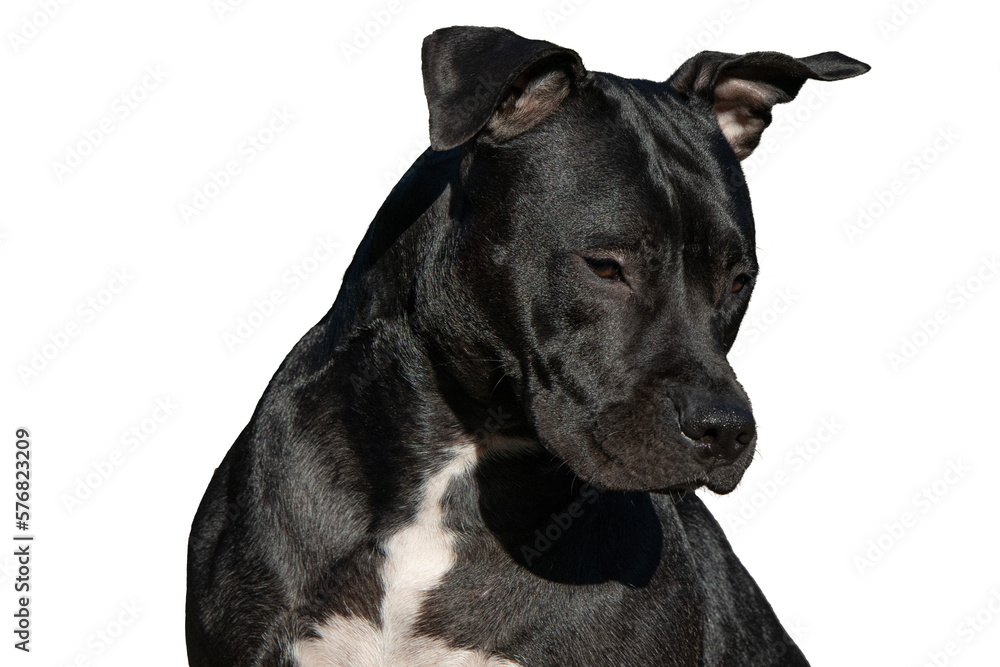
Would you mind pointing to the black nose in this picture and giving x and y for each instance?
(723, 428)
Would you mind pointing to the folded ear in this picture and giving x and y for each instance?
(744, 88)
(476, 78)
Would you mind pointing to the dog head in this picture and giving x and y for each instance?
(602, 250)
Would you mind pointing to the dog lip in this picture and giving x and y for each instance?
(684, 486)
(731, 473)
(688, 484)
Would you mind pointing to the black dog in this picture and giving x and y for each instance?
(484, 453)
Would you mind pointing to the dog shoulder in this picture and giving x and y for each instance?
(742, 622)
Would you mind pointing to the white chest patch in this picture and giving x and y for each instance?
(417, 559)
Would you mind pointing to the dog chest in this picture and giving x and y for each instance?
(416, 560)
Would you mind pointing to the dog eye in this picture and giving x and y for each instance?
(608, 269)
(740, 283)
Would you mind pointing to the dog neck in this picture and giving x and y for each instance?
(402, 417)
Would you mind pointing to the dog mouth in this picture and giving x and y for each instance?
(724, 479)
(667, 464)
(720, 477)
(635, 445)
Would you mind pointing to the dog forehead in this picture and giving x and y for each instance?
(625, 161)
(692, 181)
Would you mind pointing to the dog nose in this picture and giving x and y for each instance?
(723, 428)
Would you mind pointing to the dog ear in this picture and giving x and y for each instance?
(476, 78)
(744, 88)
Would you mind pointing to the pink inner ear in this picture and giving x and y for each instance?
(738, 104)
(529, 102)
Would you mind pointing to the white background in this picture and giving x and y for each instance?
(800, 526)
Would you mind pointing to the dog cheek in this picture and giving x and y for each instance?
(623, 446)
(559, 424)
(643, 444)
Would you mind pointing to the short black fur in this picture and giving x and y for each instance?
(554, 282)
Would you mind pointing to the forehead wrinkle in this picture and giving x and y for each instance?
(706, 231)
(634, 107)
(714, 223)
(674, 156)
